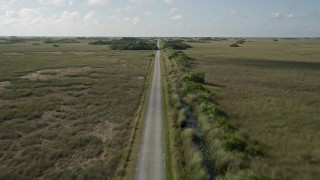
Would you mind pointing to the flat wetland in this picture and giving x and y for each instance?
(67, 112)
(269, 89)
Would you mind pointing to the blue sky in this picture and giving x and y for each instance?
(201, 18)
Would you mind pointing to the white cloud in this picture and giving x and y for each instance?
(55, 2)
(6, 5)
(112, 16)
(30, 15)
(127, 8)
(70, 16)
(136, 21)
(148, 13)
(177, 17)
(67, 18)
(119, 9)
(127, 19)
(11, 14)
(290, 16)
(27, 22)
(275, 15)
(233, 13)
(91, 18)
(31, 18)
(172, 10)
(98, 2)
(171, 1)
(141, 1)
(278, 15)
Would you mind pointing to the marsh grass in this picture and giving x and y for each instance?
(270, 92)
(75, 125)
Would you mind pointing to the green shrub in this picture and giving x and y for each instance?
(173, 54)
(100, 42)
(197, 77)
(175, 44)
(242, 41)
(231, 142)
(132, 44)
(201, 97)
(182, 118)
(230, 152)
(209, 109)
(234, 45)
(191, 87)
(63, 40)
(254, 150)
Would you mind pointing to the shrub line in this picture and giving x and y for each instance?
(231, 153)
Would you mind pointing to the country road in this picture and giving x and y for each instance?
(150, 163)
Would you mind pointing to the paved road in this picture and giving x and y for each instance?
(150, 165)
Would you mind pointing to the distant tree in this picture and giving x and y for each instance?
(132, 44)
(100, 42)
(63, 40)
(242, 41)
(234, 45)
(176, 44)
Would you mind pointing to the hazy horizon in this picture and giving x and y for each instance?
(160, 18)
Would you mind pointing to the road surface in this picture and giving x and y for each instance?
(150, 165)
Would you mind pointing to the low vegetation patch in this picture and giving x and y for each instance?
(234, 45)
(63, 40)
(65, 116)
(4, 84)
(127, 44)
(270, 93)
(46, 74)
(175, 44)
(202, 129)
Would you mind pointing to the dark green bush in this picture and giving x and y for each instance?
(234, 45)
(231, 153)
(139, 45)
(242, 41)
(201, 97)
(100, 42)
(231, 142)
(63, 40)
(173, 54)
(191, 87)
(197, 77)
(175, 44)
(255, 150)
(209, 109)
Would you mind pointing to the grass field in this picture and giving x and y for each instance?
(67, 112)
(270, 90)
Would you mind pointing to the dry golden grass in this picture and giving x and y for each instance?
(71, 116)
(270, 90)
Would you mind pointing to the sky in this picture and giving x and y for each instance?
(161, 18)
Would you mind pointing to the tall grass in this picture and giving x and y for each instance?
(72, 126)
(230, 152)
(269, 91)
